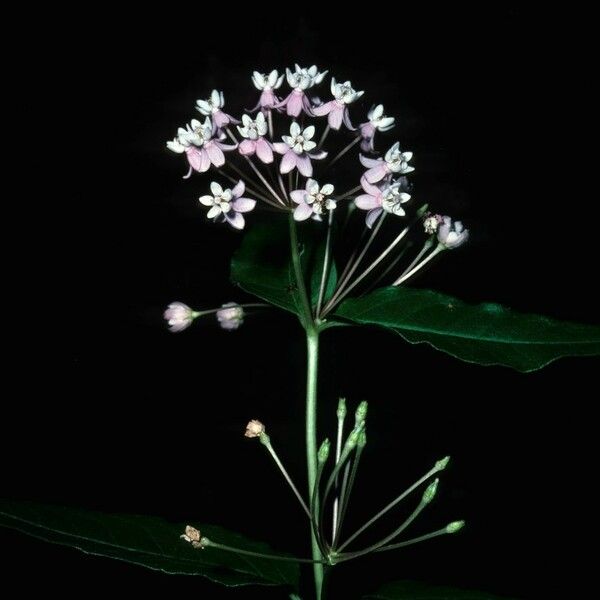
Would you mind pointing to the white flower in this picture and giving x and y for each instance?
(179, 316)
(253, 129)
(300, 140)
(303, 79)
(220, 201)
(379, 120)
(397, 161)
(392, 199)
(194, 134)
(231, 316)
(452, 234)
(431, 223)
(262, 81)
(254, 429)
(343, 92)
(313, 201)
(211, 105)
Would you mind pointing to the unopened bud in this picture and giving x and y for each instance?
(204, 542)
(454, 526)
(430, 492)
(341, 409)
(323, 451)
(362, 439)
(355, 435)
(254, 429)
(440, 465)
(361, 412)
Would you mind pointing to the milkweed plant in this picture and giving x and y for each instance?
(340, 238)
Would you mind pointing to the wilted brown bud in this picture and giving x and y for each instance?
(254, 429)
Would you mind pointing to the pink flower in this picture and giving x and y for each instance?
(300, 80)
(267, 83)
(213, 107)
(337, 110)
(377, 122)
(255, 143)
(452, 234)
(388, 198)
(179, 316)
(201, 149)
(312, 201)
(231, 316)
(296, 149)
(394, 161)
(228, 205)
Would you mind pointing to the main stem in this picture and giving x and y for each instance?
(312, 347)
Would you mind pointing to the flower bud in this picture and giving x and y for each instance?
(452, 234)
(341, 409)
(231, 316)
(361, 412)
(362, 439)
(179, 316)
(192, 536)
(454, 526)
(355, 435)
(430, 492)
(440, 465)
(323, 451)
(254, 429)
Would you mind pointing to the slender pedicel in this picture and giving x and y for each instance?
(323, 137)
(244, 177)
(248, 185)
(424, 250)
(350, 192)
(439, 248)
(387, 270)
(270, 120)
(346, 149)
(341, 416)
(326, 264)
(440, 465)
(322, 456)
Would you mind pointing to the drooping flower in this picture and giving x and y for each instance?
(388, 198)
(231, 316)
(267, 83)
(201, 149)
(312, 201)
(431, 223)
(394, 161)
(213, 107)
(228, 205)
(300, 80)
(192, 536)
(296, 150)
(452, 234)
(255, 143)
(337, 110)
(377, 122)
(254, 429)
(179, 316)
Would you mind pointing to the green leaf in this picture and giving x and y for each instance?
(262, 266)
(149, 542)
(411, 590)
(487, 334)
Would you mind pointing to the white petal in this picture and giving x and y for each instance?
(295, 129)
(320, 76)
(309, 145)
(327, 189)
(258, 80)
(377, 112)
(288, 140)
(290, 78)
(279, 82)
(272, 78)
(407, 156)
(175, 146)
(207, 200)
(312, 187)
(260, 118)
(227, 195)
(308, 132)
(333, 87)
(215, 211)
(216, 188)
(215, 98)
(203, 107)
(195, 124)
(247, 120)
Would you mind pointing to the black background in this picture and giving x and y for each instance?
(107, 410)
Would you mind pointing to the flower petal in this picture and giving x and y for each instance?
(264, 151)
(239, 189)
(367, 202)
(302, 212)
(215, 154)
(308, 132)
(207, 200)
(304, 165)
(327, 189)
(243, 205)
(235, 219)
(215, 211)
(298, 196)
(247, 147)
(288, 162)
(216, 189)
(369, 163)
(280, 147)
(372, 216)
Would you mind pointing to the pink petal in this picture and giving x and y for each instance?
(225, 147)
(288, 162)
(285, 101)
(317, 155)
(304, 165)
(336, 116)
(235, 219)
(367, 131)
(294, 105)
(367, 202)
(371, 189)
(239, 189)
(215, 154)
(372, 216)
(247, 147)
(367, 145)
(306, 105)
(243, 205)
(280, 147)
(268, 99)
(264, 151)
(220, 119)
(303, 211)
(298, 196)
(198, 159)
(369, 163)
(324, 109)
(376, 173)
(347, 121)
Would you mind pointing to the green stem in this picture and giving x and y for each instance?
(306, 312)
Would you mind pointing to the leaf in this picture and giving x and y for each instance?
(487, 334)
(149, 542)
(411, 590)
(262, 266)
